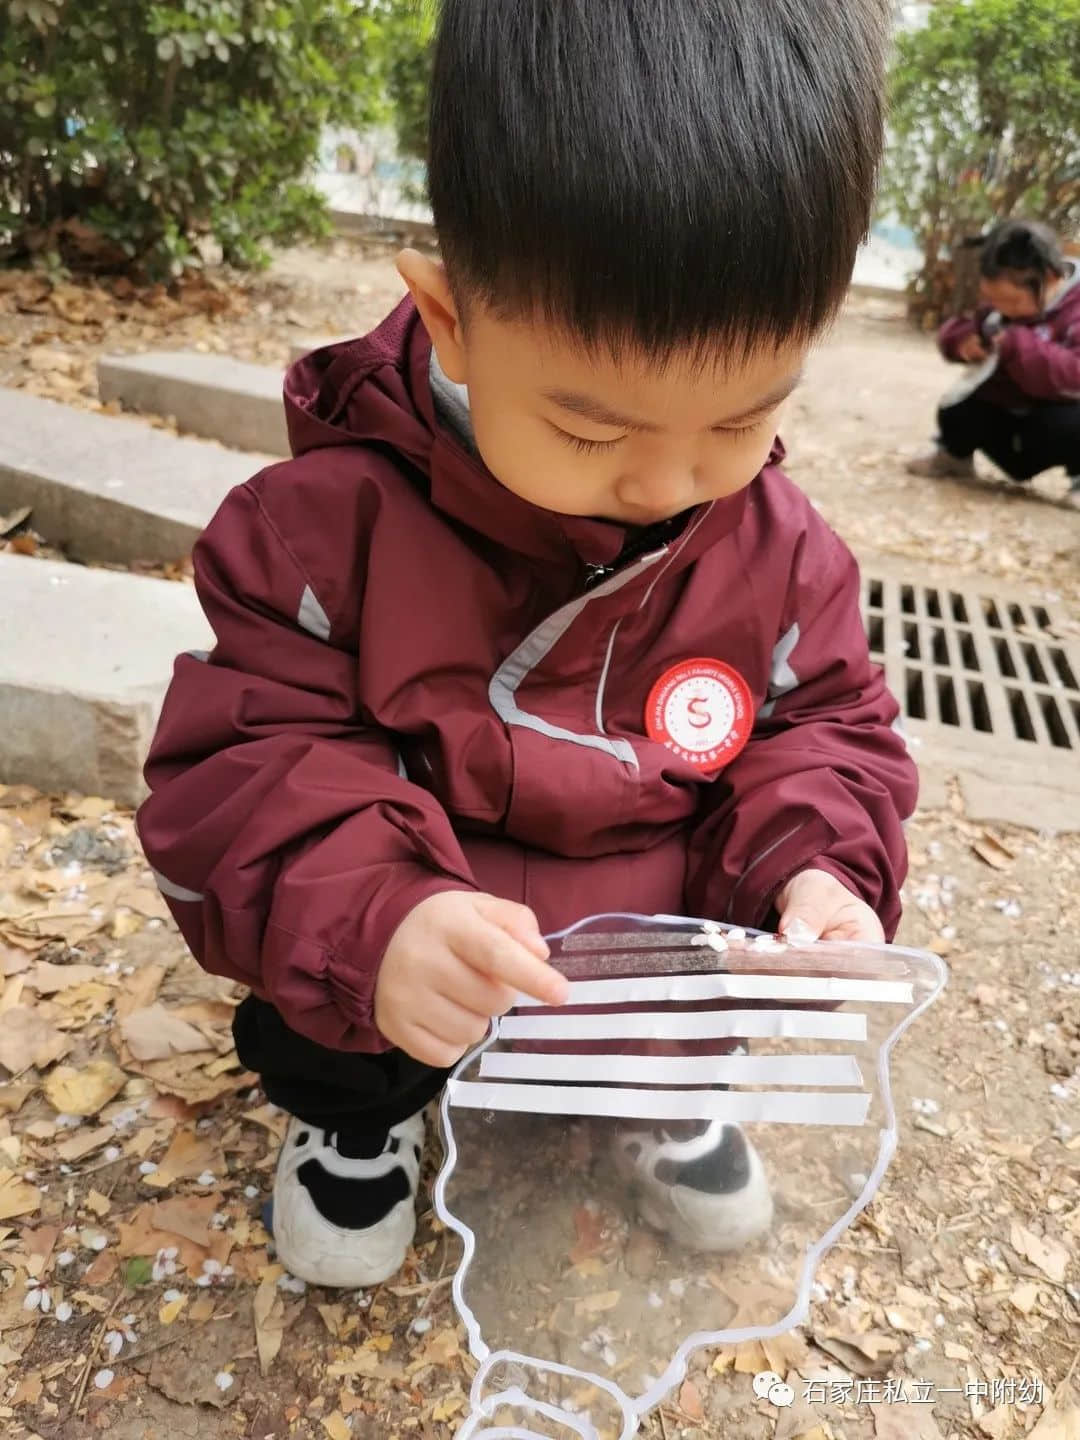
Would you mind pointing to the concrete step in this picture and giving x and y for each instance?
(210, 395)
(107, 488)
(306, 343)
(85, 657)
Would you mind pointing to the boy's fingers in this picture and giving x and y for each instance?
(517, 920)
(489, 949)
(474, 990)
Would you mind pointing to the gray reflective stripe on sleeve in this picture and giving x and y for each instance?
(312, 617)
(503, 686)
(175, 892)
(202, 655)
(782, 679)
(401, 770)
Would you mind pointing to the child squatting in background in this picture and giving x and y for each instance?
(1020, 403)
(533, 626)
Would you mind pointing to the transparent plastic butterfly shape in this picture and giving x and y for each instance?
(660, 1164)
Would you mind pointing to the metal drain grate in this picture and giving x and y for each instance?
(976, 664)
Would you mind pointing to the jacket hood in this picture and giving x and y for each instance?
(376, 391)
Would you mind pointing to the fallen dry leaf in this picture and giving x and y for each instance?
(28, 1039)
(1025, 1297)
(1061, 1418)
(864, 1355)
(690, 1401)
(155, 1033)
(269, 1311)
(47, 979)
(1050, 1256)
(186, 1215)
(597, 1304)
(336, 1426)
(84, 1092)
(140, 991)
(85, 1142)
(188, 1155)
(998, 1424)
(905, 1422)
(993, 852)
(17, 1197)
(170, 1311)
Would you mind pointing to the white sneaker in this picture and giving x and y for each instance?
(940, 465)
(708, 1193)
(346, 1219)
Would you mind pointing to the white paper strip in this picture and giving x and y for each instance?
(688, 1025)
(650, 988)
(812, 1070)
(776, 1107)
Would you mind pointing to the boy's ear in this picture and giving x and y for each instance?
(430, 289)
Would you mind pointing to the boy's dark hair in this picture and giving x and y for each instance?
(659, 173)
(1024, 250)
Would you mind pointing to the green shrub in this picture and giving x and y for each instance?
(985, 124)
(131, 128)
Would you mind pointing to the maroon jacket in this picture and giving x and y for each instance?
(413, 690)
(1037, 360)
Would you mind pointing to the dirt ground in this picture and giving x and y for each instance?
(138, 1294)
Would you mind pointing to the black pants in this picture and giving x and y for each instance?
(1022, 444)
(330, 1089)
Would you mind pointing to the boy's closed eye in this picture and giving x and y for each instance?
(594, 411)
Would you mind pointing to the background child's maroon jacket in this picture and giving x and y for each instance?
(412, 690)
(1038, 360)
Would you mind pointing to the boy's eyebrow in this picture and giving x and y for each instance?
(595, 410)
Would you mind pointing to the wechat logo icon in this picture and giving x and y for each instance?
(770, 1386)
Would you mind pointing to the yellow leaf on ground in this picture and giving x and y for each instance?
(16, 1196)
(336, 1426)
(445, 1410)
(750, 1358)
(98, 1203)
(188, 1155)
(269, 1322)
(85, 1091)
(171, 1309)
(597, 1304)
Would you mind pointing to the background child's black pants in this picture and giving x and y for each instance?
(330, 1089)
(1022, 444)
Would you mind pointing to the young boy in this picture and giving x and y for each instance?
(1020, 402)
(532, 626)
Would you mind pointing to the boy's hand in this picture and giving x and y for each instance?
(814, 905)
(972, 350)
(456, 960)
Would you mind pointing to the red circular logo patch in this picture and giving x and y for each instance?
(702, 710)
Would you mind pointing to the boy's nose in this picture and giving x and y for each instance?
(660, 490)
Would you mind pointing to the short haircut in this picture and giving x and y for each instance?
(661, 174)
(1025, 251)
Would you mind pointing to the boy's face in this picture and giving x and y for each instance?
(582, 434)
(1009, 297)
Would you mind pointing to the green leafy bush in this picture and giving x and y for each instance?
(985, 124)
(131, 128)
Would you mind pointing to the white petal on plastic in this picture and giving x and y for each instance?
(813, 1070)
(739, 987)
(722, 1100)
(687, 1025)
(800, 1107)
